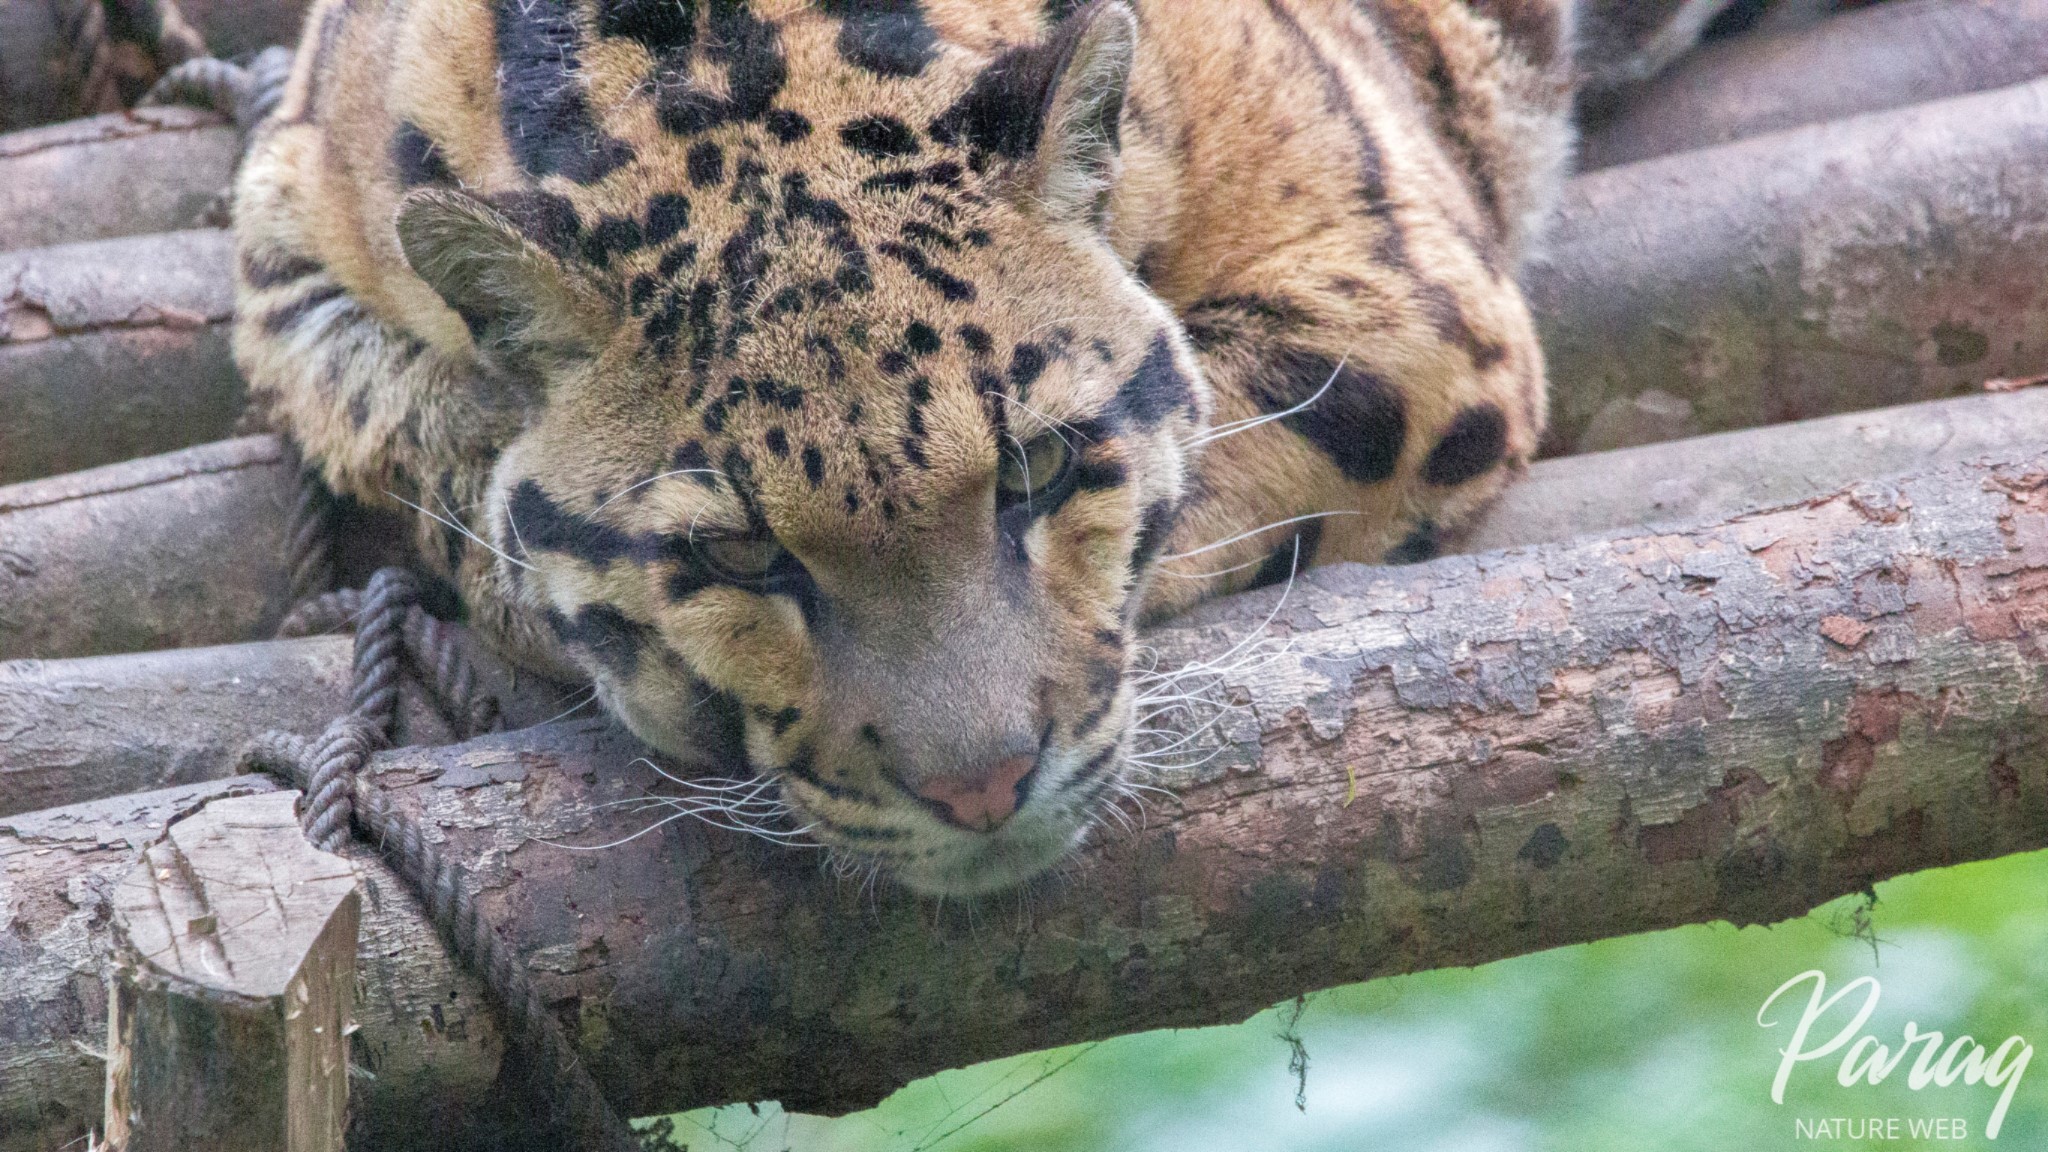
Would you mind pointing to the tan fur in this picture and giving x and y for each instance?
(1306, 191)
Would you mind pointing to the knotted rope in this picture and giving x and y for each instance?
(392, 631)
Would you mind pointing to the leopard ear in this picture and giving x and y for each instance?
(1056, 107)
(520, 300)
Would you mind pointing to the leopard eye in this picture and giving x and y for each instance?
(744, 559)
(1038, 467)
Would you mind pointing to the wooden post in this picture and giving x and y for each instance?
(230, 1003)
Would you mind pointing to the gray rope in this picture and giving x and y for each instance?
(392, 628)
(307, 560)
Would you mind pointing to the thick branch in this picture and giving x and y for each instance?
(1867, 60)
(1552, 745)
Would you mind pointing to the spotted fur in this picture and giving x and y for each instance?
(610, 289)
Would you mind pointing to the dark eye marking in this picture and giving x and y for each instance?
(880, 137)
(606, 633)
(1470, 448)
(542, 525)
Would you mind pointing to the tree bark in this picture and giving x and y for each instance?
(1885, 56)
(113, 349)
(1878, 260)
(1403, 769)
(122, 174)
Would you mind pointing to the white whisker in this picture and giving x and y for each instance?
(1220, 431)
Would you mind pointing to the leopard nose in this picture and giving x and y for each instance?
(980, 801)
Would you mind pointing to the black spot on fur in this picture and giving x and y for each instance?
(749, 49)
(545, 526)
(1027, 364)
(892, 363)
(917, 231)
(799, 204)
(977, 339)
(1155, 389)
(691, 458)
(880, 137)
(547, 119)
(1419, 545)
(921, 338)
(778, 443)
(658, 25)
(668, 216)
(1003, 111)
(675, 260)
(814, 465)
(1360, 422)
(787, 127)
(606, 634)
(1290, 558)
(417, 158)
(611, 236)
(886, 37)
(1473, 444)
(544, 218)
(706, 164)
(948, 285)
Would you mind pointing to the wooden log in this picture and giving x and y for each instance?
(163, 552)
(113, 349)
(1441, 764)
(1712, 477)
(52, 1066)
(1880, 260)
(233, 988)
(122, 174)
(78, 730)
(1884, 56)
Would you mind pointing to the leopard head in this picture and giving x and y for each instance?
(840, 407)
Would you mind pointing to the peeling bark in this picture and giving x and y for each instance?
(1436, 765)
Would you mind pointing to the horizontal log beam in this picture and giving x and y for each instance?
(1710, 477)
(214, 518)
(122, 174)
(1409, 768)
(78, 730)
(1838, 267)
(1879, 260)
(1874, 58)
(112, 349)
(180, 550)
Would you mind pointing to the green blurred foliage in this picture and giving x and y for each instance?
(1644, 1042)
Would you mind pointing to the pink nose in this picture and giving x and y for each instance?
(980, 802)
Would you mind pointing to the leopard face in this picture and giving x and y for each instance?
(855, 420)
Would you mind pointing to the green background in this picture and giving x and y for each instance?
(1646, 1042)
